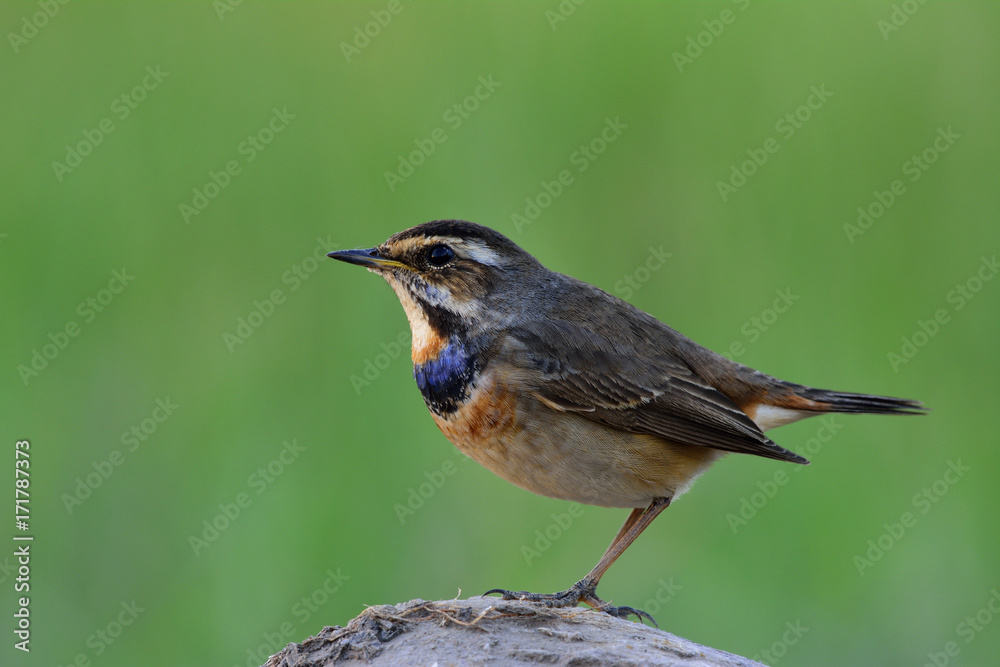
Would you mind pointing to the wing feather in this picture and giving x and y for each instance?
(573, 369)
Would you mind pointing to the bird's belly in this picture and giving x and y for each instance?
(567, 456)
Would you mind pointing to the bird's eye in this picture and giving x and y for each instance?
(440, 255)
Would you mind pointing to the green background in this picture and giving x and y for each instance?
(321, 181)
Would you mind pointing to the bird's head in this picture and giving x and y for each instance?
(450, 275)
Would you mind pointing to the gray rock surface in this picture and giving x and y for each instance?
(491, 631)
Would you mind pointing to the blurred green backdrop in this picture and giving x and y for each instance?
(175, 354)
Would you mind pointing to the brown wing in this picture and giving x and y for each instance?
(572, 369)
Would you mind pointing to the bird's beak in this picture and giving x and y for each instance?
(369, 257)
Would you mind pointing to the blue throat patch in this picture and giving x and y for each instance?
(444, 381)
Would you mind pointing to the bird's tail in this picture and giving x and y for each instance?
(787, 402)
(824, 400)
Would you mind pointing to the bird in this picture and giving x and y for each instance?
(572, 393)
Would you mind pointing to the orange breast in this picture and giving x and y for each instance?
(428, 347)
(485, 422)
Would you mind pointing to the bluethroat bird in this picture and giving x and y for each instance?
(570, 392)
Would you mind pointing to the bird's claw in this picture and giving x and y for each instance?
(580, 592)
(568, 598)
(625, 612)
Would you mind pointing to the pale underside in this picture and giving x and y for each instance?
(565, 455)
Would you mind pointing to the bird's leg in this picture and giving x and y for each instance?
(585, 590)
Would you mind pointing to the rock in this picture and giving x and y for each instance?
(491, 631)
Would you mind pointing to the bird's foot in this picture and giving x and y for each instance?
(581, 591)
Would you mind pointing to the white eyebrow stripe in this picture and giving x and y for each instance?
(480, 253)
